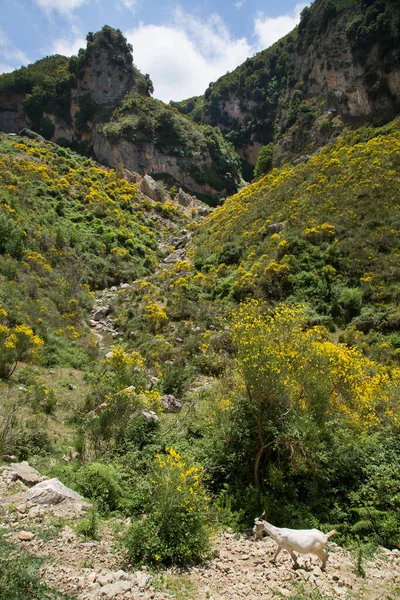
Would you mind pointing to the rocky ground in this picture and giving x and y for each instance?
(241, 568)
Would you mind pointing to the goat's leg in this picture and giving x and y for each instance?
(294, 558)
(276, 554)
(324, 557)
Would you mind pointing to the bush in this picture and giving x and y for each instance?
(43, 398)
(101, 483)
(264, 160)
(31, 440)
(175, 529)
(350, 301)
(16, 344)
(89, 527)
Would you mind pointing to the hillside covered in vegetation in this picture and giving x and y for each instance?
(338, 68)
(276, 332)
(185, 368)
(67, 228)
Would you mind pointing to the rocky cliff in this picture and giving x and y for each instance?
(339, 67)
(99, 102)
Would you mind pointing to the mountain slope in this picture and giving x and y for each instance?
(67, 228)
(325, 233)
(339, 67)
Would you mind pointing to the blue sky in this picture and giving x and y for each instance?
(183, 45)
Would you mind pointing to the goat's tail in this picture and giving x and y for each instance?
(331, 533)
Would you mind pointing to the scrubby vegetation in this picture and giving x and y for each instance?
(301, 395)
(67, 228)
(274, 323)
(324, 232)
(278, 331)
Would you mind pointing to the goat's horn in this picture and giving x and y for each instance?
(262, 515)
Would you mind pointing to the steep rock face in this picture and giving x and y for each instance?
(12, 116)
(106, 83)
(341, 66)
(99, 102)
(145, 158)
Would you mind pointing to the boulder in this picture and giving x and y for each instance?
(52, 491)
(275, 227)
(114, 590)
(25, 473)
(184, 199)
(150, 188)
(175, 256)
(170, 403)
(26, 536)
(144, 580)
(203, 211)
(100, 313)
(150, 415)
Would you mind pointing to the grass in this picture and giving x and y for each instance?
(182, 587)
(19, 576)
(303, 592)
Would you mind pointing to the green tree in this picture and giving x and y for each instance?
(264, 160)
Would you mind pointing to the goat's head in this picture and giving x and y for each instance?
(259, 528)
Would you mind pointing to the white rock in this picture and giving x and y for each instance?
(104, 579)
(25, 473)
(170, 403)
(68, 534)
(143, 580)
(26, 536)
(113, 590)
(52, 491)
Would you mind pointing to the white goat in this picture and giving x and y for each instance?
(304, 541)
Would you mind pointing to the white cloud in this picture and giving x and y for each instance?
(68, 46)
(269, 30)
(182, 58)
(11, 54)
(5, 68)
(61, 6)
(129, 4)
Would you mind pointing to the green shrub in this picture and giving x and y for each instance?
(175, 529)
(264, 160)
(89, 527)
(350, 301)
(43, 398)
(101, 483)
(174, 378)
(32, 439)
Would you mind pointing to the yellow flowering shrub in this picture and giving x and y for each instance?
(289, 369)
(42, 398)
(176, 527)
(304, 231)
(156, 316)
(17, 344)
